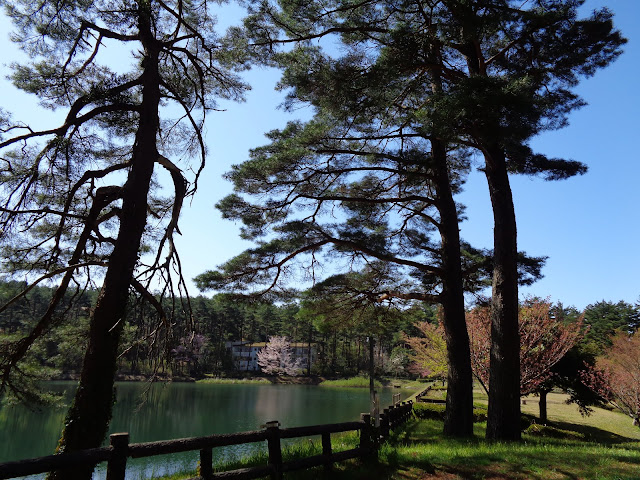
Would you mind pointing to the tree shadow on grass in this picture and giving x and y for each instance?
(595, 434)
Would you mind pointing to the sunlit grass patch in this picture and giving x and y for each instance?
(356, 382)
(421, 448)
(230, 381)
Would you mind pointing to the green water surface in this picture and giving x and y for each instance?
(178, 410)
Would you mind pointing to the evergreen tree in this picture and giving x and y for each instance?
(520, 63)
(420, 80)
(605, 319)
(75, 198)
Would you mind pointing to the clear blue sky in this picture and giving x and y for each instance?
(589, 226)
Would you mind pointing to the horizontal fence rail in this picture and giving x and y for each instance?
(119, 450)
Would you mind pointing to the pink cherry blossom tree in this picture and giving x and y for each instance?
(277, 358)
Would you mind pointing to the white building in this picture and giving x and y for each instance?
(245, 354)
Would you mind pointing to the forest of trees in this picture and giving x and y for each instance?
(407, 338)
(366, 188)
(342, 351)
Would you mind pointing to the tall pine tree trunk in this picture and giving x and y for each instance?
(88, 419)
(503, 421)
(458, 420)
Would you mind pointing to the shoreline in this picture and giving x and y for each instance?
(315, 380)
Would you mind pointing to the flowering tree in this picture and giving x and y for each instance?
(616, 375)
(190, 350)
(429, 351)
(277, 358)
(543, 342)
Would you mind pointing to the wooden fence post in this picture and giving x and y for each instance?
(326, 450)
(206, 463)
(117, 464)
(275, 452)
(366, 437)
(384, 424)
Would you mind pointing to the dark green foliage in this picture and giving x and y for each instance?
(436, 411)
(429, 410)
(342, 347)
(605, 319)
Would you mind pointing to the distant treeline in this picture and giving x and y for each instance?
(153, 346)
(182, 345)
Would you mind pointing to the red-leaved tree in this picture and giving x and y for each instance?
(543, 342)
(616, 375)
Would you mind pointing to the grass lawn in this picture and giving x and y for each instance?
(420, 452)
(602, 446)
(602, 425)
(363, 382)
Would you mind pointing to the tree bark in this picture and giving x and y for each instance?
(503, 421)
(88, 419)
(458, 421)
(543, 406)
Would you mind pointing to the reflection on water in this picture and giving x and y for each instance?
(178, 410)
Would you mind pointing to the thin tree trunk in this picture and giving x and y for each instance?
(458, 419)
(309, 340)
(88, 419)
(543, 406)
(372, 386)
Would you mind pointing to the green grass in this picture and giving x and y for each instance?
(602, 446)
(420, 449)
(419, 452)
(353, 382)
(363, 382)
(228, 381)
(292, 451)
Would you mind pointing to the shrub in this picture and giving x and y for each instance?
(429, 410)
(436, 411)
(439, 387)
(526, 421)
(479, 413)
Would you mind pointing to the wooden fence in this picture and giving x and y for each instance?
(119, 450)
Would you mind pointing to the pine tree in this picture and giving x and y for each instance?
(75, 198)
(521, 64)
(487, 75)
(392, 198)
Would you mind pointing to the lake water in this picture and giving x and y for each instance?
(178, 410)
